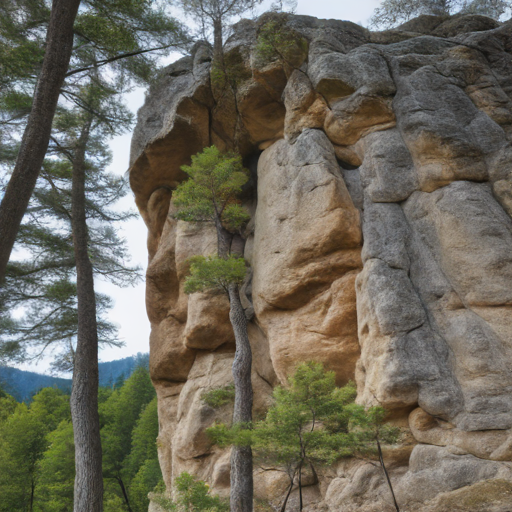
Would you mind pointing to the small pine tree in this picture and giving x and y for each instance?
(278, 41)
(311, 422)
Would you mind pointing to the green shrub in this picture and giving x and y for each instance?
(220, 396)
(278, 41)
(192, 495)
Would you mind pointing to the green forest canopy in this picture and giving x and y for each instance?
(37, 468)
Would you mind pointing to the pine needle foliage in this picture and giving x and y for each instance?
(278, 41)
(311, 422)
(216, 179)
(42, 288)
(194, 496)
(214, 273)
(218, 397)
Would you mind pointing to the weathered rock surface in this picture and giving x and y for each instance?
(380, 244)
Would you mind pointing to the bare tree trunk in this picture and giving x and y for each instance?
(125, 494)
(59, 44)
(381, 458)
(283, 506)
(241, 497)
(84, 395)
(224, 238)
(218, 54)
(32, 491)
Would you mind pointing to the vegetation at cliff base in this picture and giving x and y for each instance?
(190, 495)
(311, 423)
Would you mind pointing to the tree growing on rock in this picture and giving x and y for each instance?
(312, 422)
(210, 196)
(393, 12)
(215, 16)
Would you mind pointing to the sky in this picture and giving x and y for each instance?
(129, 311)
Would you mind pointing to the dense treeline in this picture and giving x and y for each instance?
(37, 464)
(22, 385)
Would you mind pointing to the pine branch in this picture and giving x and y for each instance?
(104, 62)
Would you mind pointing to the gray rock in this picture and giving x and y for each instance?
(352, 180)
(387, 173)
(403, 361)
(435, 120)
(393, 301)
(336, 75)
(423, 45)
(385, 234)
(433, 470)
(462, 24)
(471, 237)
(423, 24)
(455, 231)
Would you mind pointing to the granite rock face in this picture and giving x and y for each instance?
(380, 244)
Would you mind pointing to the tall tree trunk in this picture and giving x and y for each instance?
(32, 491)
(59, 44)
(218, 54)
(224, 238)
(300, 485)
(84, 395)
(241, 496)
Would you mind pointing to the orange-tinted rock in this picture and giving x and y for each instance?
(303, 286)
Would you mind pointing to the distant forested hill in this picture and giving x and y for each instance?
(115, 372)
(22, 385)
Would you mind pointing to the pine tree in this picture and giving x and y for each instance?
(112, 41)
(311, 422)
(394, 12)
(56, 471)
(73, 208)
(59, 45)
(121, 415)
(215, 16)
(122, 35)
(210, 196)
(23, 440)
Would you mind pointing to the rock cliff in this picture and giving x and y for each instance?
(380, 244)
